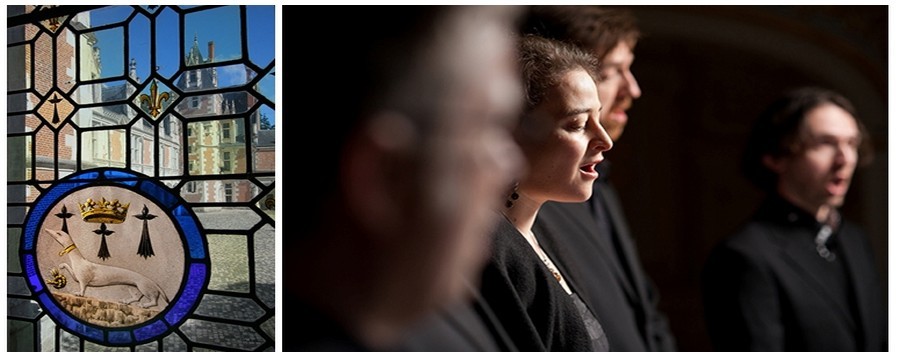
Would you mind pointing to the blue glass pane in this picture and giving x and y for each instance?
(150, 330)
(161, 194)
(87, 176)
(196, 277)
(120, 337)
(36, 284)
(113, 174)
(191, 232)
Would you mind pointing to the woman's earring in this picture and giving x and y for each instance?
(513, 196)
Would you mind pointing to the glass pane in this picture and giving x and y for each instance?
(234, 308)
(228, 218)
(170, 148)
(261, 29)
(16, 285)
(206, 78)
(264, 161)
(228, 254)
(22, 308)
(18, 77)
(229, 103)
(105, 16)
(44, 154)
(43, 50)
(19, 336)
(220, 334)
(103, 116)
(167, 51)
(68, 342)
(21, 33)
(103, 148)
(212, 35)
(155, 98)
(264, 250)
(216, 147)
(12, 250)
(55, 109)
(48, 334)
(139, 48)
(106, 57)
(266, 86)
(174, 343)
(108, 91)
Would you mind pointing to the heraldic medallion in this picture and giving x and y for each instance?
(114, 257)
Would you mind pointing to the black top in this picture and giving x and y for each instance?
(768, 288)
(534, 309)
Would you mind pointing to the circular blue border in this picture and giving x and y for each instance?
(197, 264)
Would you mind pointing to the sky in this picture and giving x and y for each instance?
(220, 25)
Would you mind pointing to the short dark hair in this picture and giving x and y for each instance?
(776, 132)
(595, 29)
(543, 63)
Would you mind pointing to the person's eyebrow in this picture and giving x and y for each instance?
(576, 111)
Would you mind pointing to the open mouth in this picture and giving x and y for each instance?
(589, 168)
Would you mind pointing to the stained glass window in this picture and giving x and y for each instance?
(140, 146)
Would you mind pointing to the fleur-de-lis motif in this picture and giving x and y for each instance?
(154, 102)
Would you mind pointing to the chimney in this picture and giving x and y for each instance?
(212, 51)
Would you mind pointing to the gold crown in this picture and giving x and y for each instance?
(103, 211)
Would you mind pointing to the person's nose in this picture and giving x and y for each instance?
(631, 85)
(601, 140)
(845, 155)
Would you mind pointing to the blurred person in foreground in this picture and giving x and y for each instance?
(404, 136)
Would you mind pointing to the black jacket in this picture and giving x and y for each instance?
(533, 308)
(612, 283)
(766, 288)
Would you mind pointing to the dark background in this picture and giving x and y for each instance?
(706, 72)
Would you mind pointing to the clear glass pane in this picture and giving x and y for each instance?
(12, 250)
(228, 254)
(261, 29)
(212, 35)
(139, 48)
(105, 16)
(170, 148)
(103, 116)
(221, 77)
(19, 335)
(43, 50)
(228, 103)
(17, 76)
(108, 91)
(216, 147)
(234, 308)
(264, 250)
(231, 336)
(102, 54)
(103, 148)
(22, 308)
(228, 217)
(167, 53)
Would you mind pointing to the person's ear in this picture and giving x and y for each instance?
(371, 167)
(774, 164)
